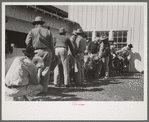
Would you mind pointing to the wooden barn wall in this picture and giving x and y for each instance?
(28, 14)
(93, 17)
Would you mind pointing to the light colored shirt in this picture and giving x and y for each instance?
(112, 50)
(22, 72)
(125, 52)
(40, 38)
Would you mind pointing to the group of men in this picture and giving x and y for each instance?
(103, 54)
(28, 75)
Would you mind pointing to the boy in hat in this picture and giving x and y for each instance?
(81, 47)
(42, 41)
(62, 43)
(22, 79)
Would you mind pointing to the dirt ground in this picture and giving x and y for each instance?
(125, 88)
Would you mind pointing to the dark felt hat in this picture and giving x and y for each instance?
(130, 45)
(38, 20)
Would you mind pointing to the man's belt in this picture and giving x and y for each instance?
(13, 86)
(42, 48)
(62, 47)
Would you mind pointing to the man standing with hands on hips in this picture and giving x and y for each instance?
(42, 42)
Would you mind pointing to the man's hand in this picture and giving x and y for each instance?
(44, 72)
(39, 75)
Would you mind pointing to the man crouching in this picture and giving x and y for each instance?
(23, 77)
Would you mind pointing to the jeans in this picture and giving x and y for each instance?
(62, 67)
(79, 76)
(47, 54)
(104, 63)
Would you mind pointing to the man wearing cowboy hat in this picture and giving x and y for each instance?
(104, 54)
(22, 79)
(81, 47)
(62, 43)
(93, 49)
(42, 42)
(125, 54)
(113, 46)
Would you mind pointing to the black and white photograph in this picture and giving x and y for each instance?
(76, 53)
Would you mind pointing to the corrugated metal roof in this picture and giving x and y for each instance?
(18, 26)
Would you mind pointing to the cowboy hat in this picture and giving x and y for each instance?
(130, 45)
(79, 31)
(38, 20)
(62, 30)
(103, 37)
(74, 32)
(29, 51)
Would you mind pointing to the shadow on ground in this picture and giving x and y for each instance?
(70, 94)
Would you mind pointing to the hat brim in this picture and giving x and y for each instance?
(103, 38)
(79, 32)
(63, 32)
(38, 22)
(74, 33)
(24, 51)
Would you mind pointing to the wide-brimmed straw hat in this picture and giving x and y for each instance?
(62, 30)
(74, 32)
(103, 36)
(38, 20)
(29, 51)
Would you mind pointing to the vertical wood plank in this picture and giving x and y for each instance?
(136, 32)
(89, 17)
(105, 17)
(84, 19)
(125, 18)
(120, 16)
(131, 22)
(93, 17)
(80, 14)
(141, 39)
(99, 16)
(76, 13)
(109, 17)
(115, 17)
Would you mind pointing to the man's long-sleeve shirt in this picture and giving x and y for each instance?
(93, 47)
(63, 41)
(22, 72)
(40, 38)
(113, 50)
(124, 52)
(73, 39)
(81, 44)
